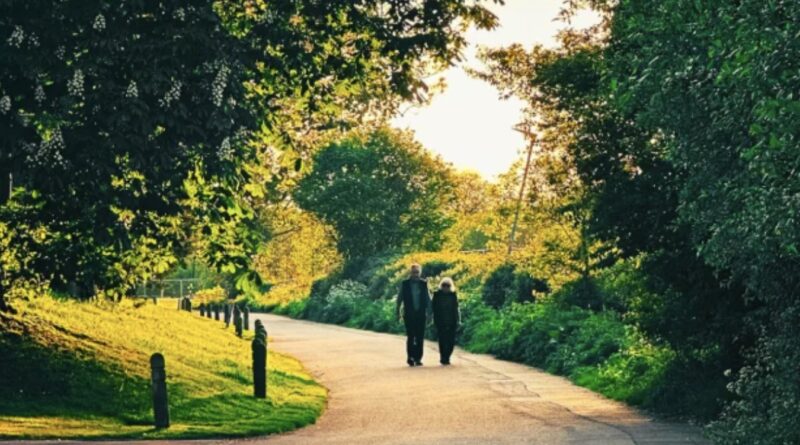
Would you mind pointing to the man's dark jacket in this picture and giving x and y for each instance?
(406, 298)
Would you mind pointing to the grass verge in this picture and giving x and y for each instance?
(81, 371)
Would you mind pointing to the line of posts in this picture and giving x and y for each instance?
(241, 321)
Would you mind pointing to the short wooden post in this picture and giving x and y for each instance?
(159, 384)
(259, 347)
(216, 311)
(180, 304)
(227, 315)
(188, 305)
(208, 311)
(246, 318)
(237, 320)
(260, 328)
(202, 310)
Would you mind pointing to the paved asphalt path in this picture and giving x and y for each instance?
(375, 398)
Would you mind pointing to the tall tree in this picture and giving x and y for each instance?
(719, 81)
(381, 191)
(627, 196)
(127, 126)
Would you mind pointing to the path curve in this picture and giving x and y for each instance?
(376, 399)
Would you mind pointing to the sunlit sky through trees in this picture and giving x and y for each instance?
(468, 124)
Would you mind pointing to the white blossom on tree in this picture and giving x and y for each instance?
(132, 91)
(17, 37)
(39, 94)
(218, 86)
(75, 85)
(99, 23)
(225, 151)
(172, 95)
(5, 104)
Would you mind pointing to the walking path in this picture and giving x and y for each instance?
(375, 398)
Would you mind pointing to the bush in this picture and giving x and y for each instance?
(583, 293)
(544, 335)
(634, 374)
(342, 300)
(499, 284)
(294, 308)
(526, 285)
(213, 295)
(435, 268)
(505, 285)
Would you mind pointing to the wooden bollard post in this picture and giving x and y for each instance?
(188, 305)
(246, 318)
(159, 383)
(259, 347)
(237, 320)
(260, 328)
(216, 312)
(208, 311)
(227, 315)
(202, 310)
(180, 304)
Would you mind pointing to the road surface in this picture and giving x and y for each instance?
(375, 398)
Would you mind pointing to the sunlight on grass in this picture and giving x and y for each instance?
(79, 370)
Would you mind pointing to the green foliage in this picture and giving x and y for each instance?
(342, 300)
(435, 268)
(583, 293)
(213, 295)
(670, 118)
(381, 191)
(135, 131)
(636, 375)
(498, 286)
(205, 276)
(506, 285)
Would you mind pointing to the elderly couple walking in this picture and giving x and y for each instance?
(414, 304)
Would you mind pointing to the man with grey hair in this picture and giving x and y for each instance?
(414, 299)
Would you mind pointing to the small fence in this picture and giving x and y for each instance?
(169, 288)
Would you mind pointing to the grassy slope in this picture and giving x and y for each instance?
(78, 370)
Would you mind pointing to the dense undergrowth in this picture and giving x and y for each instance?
(598, 346)
(81, 370)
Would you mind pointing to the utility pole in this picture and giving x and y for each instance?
(523, 128)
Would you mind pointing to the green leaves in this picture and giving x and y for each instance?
(380, 191)
(211, 102)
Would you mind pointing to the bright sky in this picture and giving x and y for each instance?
(467, 123)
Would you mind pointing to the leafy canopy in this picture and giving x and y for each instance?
(380, 191)
(135, 130)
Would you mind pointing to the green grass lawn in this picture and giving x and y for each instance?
(81, 370)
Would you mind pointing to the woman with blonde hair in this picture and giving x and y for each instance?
(446, 317)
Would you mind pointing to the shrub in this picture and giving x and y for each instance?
(215, 294)
(499, 284)
(505, 285)
(583, 293)
(526, 285)
(294, 308)
(341, 302)
(633, 374)
(435, 268)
